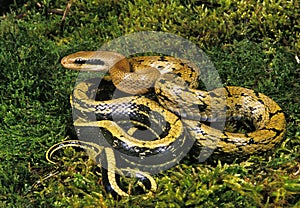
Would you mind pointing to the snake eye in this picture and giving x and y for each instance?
(79, 61)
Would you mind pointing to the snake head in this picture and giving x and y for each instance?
(92, 60)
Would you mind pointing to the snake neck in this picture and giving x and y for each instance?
(120, 66)
(130, 80)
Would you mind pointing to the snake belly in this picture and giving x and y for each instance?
(186, 110)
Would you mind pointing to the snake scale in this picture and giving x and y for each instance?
(179, 112)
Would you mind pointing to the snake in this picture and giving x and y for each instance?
(179, 114)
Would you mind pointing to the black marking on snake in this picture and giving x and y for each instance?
(140, 60)
(278, 132)
(106, 183)
(225, 134)
(101, 116)
(238, 106)
(256, 93)
(143, 108)
(228, 92)
(227, 107)
(202, 107)
(141, 118)
(162, 81)
(252, 109)
(78, 101)
(192, 71)
(166, 131)
(191, 75)
(163, 58)
(81, 61)
(259, 118)
(188, 83)
(260, 100)
(275, 113)
(131, 68)
(243, 94)
(166, 98)
(95, 62)
(227, 140)
(251, 141)
(179, 74)
(202, 132)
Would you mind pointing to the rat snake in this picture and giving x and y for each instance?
(178, 112)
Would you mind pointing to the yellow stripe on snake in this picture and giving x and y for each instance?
(179, 116)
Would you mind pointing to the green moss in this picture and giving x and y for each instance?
(252, 44)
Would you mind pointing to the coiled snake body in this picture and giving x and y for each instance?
(181, 112)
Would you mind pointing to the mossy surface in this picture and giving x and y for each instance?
(252, 44)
